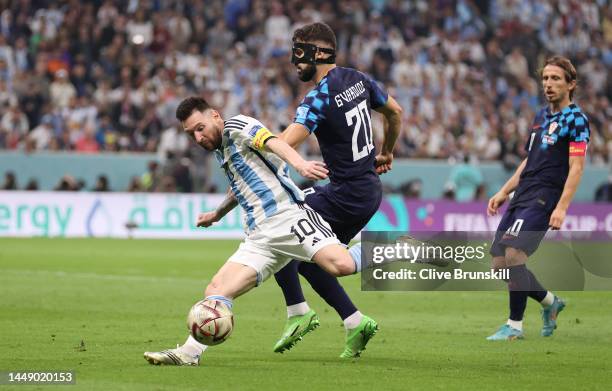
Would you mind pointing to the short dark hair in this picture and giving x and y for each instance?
(567, 66)
(315, 32)
(188, 105)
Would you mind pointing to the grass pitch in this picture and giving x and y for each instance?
(94, 306)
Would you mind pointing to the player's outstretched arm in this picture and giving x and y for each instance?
(308, 169)
(294, 135)
(392, 112)
(576, 168)
(502, 195)
(209, 218)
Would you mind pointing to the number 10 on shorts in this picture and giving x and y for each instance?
(516, 227)
(302, 229)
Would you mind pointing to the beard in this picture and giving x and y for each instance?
(215, 140)
(307, 73)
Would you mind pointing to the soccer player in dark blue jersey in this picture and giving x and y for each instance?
(544, 185)
(337, 111)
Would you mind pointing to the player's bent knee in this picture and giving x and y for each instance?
(345, 267)
(340, 266)
(515, 257)
(335, 260)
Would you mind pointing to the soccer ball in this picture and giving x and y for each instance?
(210, 322)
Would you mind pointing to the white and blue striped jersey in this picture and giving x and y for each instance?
(259, 179)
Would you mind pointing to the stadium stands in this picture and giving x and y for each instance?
(100, 76)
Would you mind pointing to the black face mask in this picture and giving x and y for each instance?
(304, 53)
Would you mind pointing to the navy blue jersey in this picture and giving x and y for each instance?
(337, 111)
(554, 138)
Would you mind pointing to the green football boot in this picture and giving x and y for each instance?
(295, 329)
(357, 338)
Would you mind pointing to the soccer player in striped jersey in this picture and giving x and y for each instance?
(279, 226)
(544, 185)
(337, 111)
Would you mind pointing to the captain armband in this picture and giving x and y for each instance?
(577, 148)
(260, 135)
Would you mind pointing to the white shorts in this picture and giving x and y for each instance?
(297, 233)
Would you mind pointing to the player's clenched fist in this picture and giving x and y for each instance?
(383, 163)
(207, 219)
(495, 202)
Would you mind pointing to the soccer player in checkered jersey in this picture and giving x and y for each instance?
(337, 112)
(544, 185)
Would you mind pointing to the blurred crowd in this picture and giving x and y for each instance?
(176, 175)
(91, 76)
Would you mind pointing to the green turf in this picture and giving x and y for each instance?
(124, 297)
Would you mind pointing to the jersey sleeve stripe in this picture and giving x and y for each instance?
(236, 121)
(233, 127)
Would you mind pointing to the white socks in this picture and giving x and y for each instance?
(518, 324)
(193, 347)
(297, 309)
(515, 324)
(350, 322)
(353, 320)
(548, 300)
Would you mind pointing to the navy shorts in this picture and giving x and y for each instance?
(521, 228)
(345, 211)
